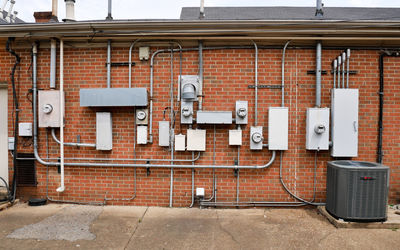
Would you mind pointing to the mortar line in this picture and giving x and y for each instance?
(137, 226)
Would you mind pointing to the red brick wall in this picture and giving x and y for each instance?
(227, 73)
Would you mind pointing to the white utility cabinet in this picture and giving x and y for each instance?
(180, 142)
(196, 140)
(278, 128)
(163, 133)
(317, 129)
(103, 131)
(344, 122)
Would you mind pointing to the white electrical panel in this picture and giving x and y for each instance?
(278, 128)
(103, 131)
(25, 129)
(317, 129)
(144, 53)
(256, 138)
(141, 135)
(344, 122)
(49, 109)
(11, 143)
(196, 140)
(180, 142)
(163, 133)
(235, 137)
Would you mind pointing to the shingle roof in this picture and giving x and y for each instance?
(290, 13)
(17, 20)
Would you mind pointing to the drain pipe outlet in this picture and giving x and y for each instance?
(62, 186)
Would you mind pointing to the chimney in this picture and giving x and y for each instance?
(43, 16)
(54, 10)
(319, 12)
(69, 10)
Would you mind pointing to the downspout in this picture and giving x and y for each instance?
(53, 54)
(61, 188)
(318, 75)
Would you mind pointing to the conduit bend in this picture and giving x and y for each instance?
(283, 72)
(53, 134)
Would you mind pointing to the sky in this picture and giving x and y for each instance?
(168, 9)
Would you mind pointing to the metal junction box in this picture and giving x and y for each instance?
(214, 117)
(235, 137)
(278, 128)
(103, 131)
(317, 129)
(163, 133)
(344, 122)
(141, 134)
(241, 112)
(180, 142)
(196, 140)
(49, 109)
(113, 97)
(25, 129)
(256, 138)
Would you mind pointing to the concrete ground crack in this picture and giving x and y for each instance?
(137, 226)
(227, 232)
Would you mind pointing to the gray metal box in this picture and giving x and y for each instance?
(186, 112)
(317, 129)
(25, 129)
(344, 122)
(278, 128)
(180, 142)
(49, 108)
(141, 134)
(357, 190)
(142, 116)
(196, 140)
(214, 117)
(242, 112)
(113, 97)
(256, 138)
(103, 131)
(163, 133)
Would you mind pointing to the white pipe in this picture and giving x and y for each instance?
(53, 54)
(343, 67)
(334, 73)
(348, 68)
(70, 10)
(3, 8)
(201, 8)
(54, 8)
(339, 59)
(62, 186)
(10, 11)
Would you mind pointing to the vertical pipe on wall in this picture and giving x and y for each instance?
(318, 75)
(201, 75)
(283, 73)
(108, 63)
(53, 53)
(348, 68)
(343, 68)
(255, 84)
(339, 59)
(334, 73)
(62, 186)
(109, 16)
(171, 96)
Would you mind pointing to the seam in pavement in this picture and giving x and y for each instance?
(226, 231)
(137, 226)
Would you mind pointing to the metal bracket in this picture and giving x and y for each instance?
(351, 72)
(117, 64)
(265, 86)
(148, 172)
(236, 170)
(312, 72)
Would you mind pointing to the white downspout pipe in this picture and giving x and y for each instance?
(62, 186)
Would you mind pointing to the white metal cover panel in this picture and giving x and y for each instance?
(52, 98)
(163, 133)
(214, 117)
(180, 142)
(3, 133)
(196, 140)
(141, 135)
(103, 131)
(344, 122)
(317, 117)
(235, 137)
(278, 128)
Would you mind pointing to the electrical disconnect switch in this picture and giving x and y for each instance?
(241, 112)
(256, 138)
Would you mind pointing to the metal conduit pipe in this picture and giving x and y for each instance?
(53, 54)
(318, 75)
(214, 160)
(283, 73)
(191, 205)
(53, 134)
(255, 84)
(343, 68)
(172, 127)
(130, 62)
(334, 73)
(348, 68)
(339, 59)
(201, 75)
(61, 188)
(108, 63)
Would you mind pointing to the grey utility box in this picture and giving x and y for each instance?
(357, 191)
(103, 131)
(214, 117)
(114, 97)
(49, 109)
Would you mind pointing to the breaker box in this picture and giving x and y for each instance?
(163, 133)
(317, 129)
(196, 140)
(103, 131)
(278, 128)
(344, 122)
(49, 109)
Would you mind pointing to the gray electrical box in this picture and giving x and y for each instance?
(241, 112)
(142, 116)
(163, 133)
(113, 97)
(25, 129)
(214, 117)
(344, 122)
(49, 109)
(196, 140)
(256, 138)
(278, 128)
(186, 112)
(141, 134)
(317, 129)
(103, 131)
